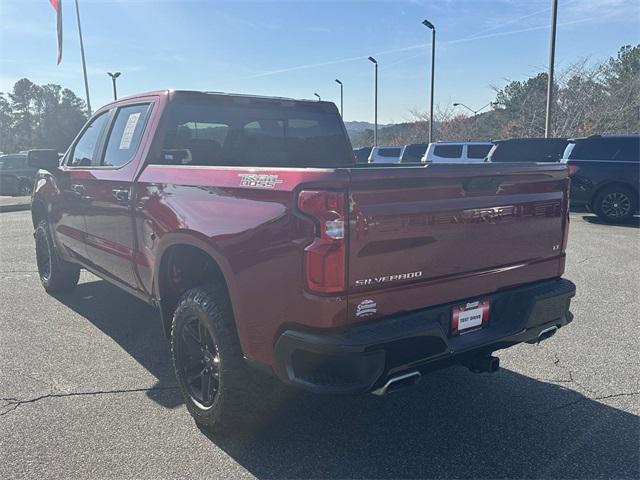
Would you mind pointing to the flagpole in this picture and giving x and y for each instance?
(84, 65)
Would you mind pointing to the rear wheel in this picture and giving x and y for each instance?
(55, 273)
(219, 390)
(615, 204)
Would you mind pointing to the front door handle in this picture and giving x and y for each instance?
(120, 194)
(78, 189)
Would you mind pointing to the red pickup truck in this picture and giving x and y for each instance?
(247, 222)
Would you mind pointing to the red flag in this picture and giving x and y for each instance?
(57, 4)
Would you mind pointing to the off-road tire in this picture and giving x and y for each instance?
(240, 390)
(56, 274)
(615, 204)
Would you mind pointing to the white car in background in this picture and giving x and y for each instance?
(385, 154)
(457, 152)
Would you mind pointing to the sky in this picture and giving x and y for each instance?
(298, 48)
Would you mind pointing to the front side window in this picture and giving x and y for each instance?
(125, 135)
(478, 151)
(85, 153)
(448, 151)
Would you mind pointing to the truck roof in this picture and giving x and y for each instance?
(207, 94)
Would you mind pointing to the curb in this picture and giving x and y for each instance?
(15, 208)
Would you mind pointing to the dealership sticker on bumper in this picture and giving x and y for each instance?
(469, 317)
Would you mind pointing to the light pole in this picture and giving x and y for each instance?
(375, 129)
(84, 64)
(429, 25)
(317, 96)
(113, 79)
(552, 54)
(341, 98)
(475, 112)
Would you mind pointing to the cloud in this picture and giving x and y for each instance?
(472, 38)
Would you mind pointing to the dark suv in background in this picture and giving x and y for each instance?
(527, 150)
(16, 176)
(605, 174)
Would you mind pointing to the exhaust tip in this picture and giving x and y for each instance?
(397, 383)
(547, 333)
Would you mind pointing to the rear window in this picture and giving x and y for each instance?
(478, 151)
(448, 151)
(389, 152)
(244, 131)
(529, 150)
(626, 149)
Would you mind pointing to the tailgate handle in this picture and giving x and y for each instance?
(482, 184)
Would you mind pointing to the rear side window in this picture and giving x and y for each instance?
(607, 149)
(448, 151)
(389, 152)
(244, 131)
(85, 151)
(478, 151)
(125, 135)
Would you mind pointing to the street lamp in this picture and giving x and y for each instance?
(317, 96)
(113, 79)
(341, 98)
(430, 26)
(552, 55)
(475, 113)
(375, 130)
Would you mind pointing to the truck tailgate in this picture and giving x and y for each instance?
(429, 235)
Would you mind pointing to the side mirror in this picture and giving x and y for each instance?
(43, 159)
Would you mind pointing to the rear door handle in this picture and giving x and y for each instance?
(78, 189)
(120, 194)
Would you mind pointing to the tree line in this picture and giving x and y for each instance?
(589, 99)
(39, 116)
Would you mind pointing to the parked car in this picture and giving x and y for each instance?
(266, 248)
(457, 152)
(385, 154)
(527, 150)
(413, 153)
(362, 154)
(605, 174)
(16, 176)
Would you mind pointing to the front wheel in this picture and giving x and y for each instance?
(615, 204)
(219, 389)
(56, 274)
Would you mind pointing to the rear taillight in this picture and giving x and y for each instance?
(572, 169)
(326, 256)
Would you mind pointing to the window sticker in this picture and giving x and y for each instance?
(127, 134)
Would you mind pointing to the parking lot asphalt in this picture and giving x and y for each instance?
(87, 391)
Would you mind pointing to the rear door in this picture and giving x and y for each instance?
(109, 218)
(445, 226)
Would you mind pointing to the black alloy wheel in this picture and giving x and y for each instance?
(198, 359)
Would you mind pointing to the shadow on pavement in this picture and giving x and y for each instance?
(133, 325)
(453, 424)
(633, 222)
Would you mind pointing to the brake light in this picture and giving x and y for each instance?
(325, 258)
(572, 169)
